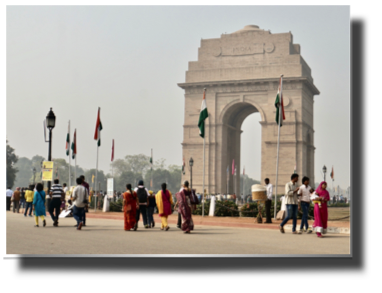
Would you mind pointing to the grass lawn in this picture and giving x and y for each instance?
(336, 213)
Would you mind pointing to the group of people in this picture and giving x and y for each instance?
(299, 198)
(140, 201)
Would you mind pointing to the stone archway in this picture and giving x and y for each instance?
(241, 72)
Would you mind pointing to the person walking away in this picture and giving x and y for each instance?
(57, 194)
(150, 209)
(164, 201)
(22, 198)
(48, 199)
(9, 194)
(291, 190)
(39, 204)
(86, 185)
(130, 204)
(184, 208)
(29, 194)
(305, 190)
(79, 196)
(321, 198)
(16, 200)
(143, 199)
(268, 202)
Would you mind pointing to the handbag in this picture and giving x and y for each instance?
(193, 198)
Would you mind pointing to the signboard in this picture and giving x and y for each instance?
(110, 187)
(47, 171)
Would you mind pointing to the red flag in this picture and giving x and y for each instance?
(112, 151)
(233, 166)
(97, 133)
(332, 174)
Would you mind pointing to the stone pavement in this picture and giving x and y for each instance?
(106, 236)
(238, 222)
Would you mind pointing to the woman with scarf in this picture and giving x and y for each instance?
(320, 200)
(164, 201)
(39, 204)
(129, 208)
(184, 208)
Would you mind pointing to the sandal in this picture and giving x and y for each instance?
(282, 229)
(167, 228)
(44, 223)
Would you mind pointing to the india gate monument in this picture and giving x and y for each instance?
(241, 73)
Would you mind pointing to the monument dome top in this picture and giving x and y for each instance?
(250, 27)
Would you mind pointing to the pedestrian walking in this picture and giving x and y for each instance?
(291, 190)
(16, 200)
(150, 209)
(22, 197)
(143, 199)
(57, 194)
(164, 201)
(39, 204)
(130, 204)
(9, 194)
(305, 190)
(79, 199)
(268, 202)
(86, 185)
(184, 208)
(29, 194)
(321, 198)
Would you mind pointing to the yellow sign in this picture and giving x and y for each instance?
(47, 171)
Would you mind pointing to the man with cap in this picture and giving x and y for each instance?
(143, 202)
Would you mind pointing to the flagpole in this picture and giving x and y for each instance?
(151, 182)
(278, 143)
(75, 157)
(70, 164)
(204, 163)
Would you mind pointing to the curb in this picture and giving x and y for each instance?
(330, 230)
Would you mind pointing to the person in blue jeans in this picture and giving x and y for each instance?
(150, 209)
(305, 191)
(291, 190)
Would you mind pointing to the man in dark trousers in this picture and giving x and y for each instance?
(57, 193)
(86, 185)
(268, 202)
(143, 199)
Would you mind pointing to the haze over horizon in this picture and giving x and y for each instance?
(128, 61)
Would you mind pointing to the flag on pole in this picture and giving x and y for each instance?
(68, 140)
(151, 159)
(332, 174)
(203, 115)
(279, 100)
(112, 151)
(74, 145)
(233, 166)
(184, 167)
(98, 128)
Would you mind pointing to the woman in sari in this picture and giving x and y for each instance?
(320, 200)
(129, 208)
(39, 204)
(184, 208)
(164, 201)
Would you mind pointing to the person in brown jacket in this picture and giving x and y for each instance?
(16, 200)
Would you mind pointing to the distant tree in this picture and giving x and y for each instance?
(135, 163)
(11, 169)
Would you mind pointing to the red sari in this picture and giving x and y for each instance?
(129, 217)
(320, 224)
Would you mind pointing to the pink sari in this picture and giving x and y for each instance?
(320, 224)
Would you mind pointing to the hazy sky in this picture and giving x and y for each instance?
(128, 61)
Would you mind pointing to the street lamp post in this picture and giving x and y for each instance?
(324, 171)
(34, 175)
(50, 123)
(191, 162)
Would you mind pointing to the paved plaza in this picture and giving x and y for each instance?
(106, 236)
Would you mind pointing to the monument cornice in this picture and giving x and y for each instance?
(261, 82)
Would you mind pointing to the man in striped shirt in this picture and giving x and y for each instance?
(57, 193)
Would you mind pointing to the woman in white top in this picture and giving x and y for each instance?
(304, 203)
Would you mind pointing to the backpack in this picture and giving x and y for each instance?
(142, 195)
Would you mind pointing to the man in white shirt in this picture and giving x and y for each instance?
(268, 202)
(304, 203)
(80, 194)
(143, 198)
(291, 201)
(9, 194)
